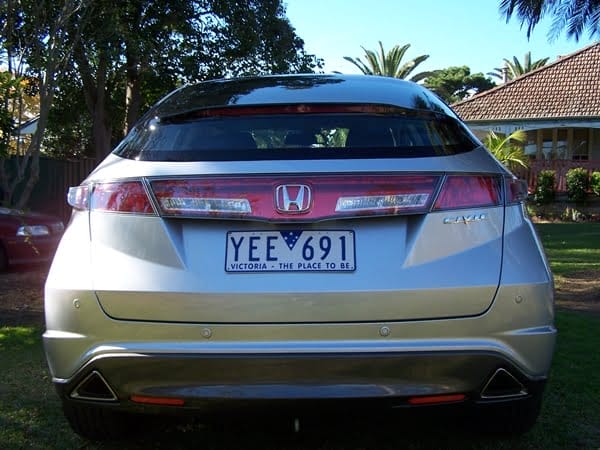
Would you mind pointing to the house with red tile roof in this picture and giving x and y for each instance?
(558, 105)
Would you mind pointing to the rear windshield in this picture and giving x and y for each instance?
(296, 132)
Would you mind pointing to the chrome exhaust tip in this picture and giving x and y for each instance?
(503, 384)
(94, 387)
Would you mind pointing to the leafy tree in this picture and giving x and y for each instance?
(389, 64)
(457, 83)
(131, 53)
(515, 69)
(9, 85)
(19, 102)
(33, 39)
(574, 16)
(508, 149)
(100, 63)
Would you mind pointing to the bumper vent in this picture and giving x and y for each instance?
(503, 385)
(94, 387)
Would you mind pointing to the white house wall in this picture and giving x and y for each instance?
(509, 127)
(550, 139)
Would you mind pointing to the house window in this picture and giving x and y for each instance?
(530, 148)
(547, 143)
(580, 144)
(560, 150)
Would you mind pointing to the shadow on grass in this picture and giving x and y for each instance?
(323, 432)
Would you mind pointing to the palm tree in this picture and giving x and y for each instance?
(575, 16)
(508, 149)
(513, 69)
(390, 64)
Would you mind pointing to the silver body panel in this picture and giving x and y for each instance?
(148, 286)
(400, 268)
(437, 302)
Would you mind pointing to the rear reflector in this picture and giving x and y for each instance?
(468, 192)
(436, 399)
(167, 401)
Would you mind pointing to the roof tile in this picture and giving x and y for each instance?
(568, 87)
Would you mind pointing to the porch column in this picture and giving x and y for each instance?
(569, 143)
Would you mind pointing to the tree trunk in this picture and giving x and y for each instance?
(6, 192)
(56, 48)
(94, 91)
(33, 151)
(133, 94)
(101, 132)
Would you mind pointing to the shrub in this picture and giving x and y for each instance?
(508, 149)
(573, 215)
(595, 183)
(577, 184)
(544, 191)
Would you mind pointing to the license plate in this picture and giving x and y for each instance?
(290, 251)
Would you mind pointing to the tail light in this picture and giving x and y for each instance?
(294, 198)
(119, 196)
(468, 192)
(124, 196)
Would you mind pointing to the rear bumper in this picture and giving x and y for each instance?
(210, 365)
(213, 382)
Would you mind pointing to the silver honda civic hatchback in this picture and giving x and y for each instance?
(288, 240)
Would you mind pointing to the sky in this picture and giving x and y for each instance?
(452, 32)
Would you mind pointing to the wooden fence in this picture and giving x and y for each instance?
(56, 176)
(560, 166)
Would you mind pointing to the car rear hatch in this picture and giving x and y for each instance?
(348, 228)
(404, 247)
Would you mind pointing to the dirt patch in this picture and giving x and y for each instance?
(22, 292)
(579, 291)
(21, 296)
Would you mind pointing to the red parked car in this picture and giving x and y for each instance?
(27, 237)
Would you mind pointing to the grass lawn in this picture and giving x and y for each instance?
(571, 247)
(30, 415)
